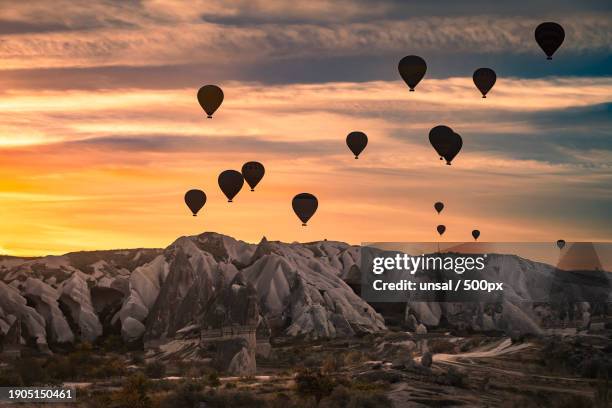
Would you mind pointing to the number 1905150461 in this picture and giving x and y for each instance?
(37, 394)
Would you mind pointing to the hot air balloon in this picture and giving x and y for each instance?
(484, 79)
(357, 141)
(439, 206)
(412, 69)
(195, 200)
(253, 172)
(438, 137)
(446, 142)
(304, 205)
(561, 243)
(549, 37)
(231, 182)
(210, 98)
(441, 228)
(475, 234)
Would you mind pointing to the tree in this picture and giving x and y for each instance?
(316, 384)
(134, 393)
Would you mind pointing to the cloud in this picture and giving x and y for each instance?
(156, 43)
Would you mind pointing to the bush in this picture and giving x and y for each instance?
(212, 380)
(313, 384)
(453, 377)
(30, 371)
(134, 393)
(10, 379)
(60, 368)
(353, 357)
(187, 395)
(330, 364)
(114, 342)
(349, 398)
(156, 369)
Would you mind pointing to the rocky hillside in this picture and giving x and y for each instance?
(300, 290)
(152, 294)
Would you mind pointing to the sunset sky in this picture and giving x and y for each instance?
(101, 133)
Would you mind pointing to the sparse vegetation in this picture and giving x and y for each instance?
(134, 393)
(313, 384)
(155, 369)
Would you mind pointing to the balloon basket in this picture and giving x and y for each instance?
(304, 224)
(548, 58)
(252, 189)
(356, 157)
(484, 97)
(195, 215)
(229, 201)
(209, 116)
(411, 90)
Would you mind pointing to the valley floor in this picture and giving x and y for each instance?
(395, 369)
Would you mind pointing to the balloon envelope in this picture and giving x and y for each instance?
(446, 142)
(453, 149)
(304, 205)
(441, 229)
(484, 79)
(561, 243)
(231, 182)
(253, 172)
(412, 69)
(195, 200)
(357, 141)
(439, 206)
(475, 234)
(210, 98)
(549, 37)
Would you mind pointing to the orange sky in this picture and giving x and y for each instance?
(107, 167)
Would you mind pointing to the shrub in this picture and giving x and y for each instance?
(155, 369)
(134, 393)
(330, 364)
(349, 398)
(60, 368)
(212, 380)
(353, 357)
(313, 384)
(30, 370)
(10, 379)
(187, 395)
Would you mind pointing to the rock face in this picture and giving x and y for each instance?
(293, 289)
(15, 307)
(45, 301)
(229, 324)
(77, 298)
(303, 294)
(51, 304)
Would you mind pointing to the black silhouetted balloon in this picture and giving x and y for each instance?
(412, 69)
(357, 141)
(439, 137)
(439, 206)
(210, 98)
(231, 182)
(195, 200)
(304, 205)
(549, 37)
(561, 243)
(484, 79)
(441, 229)
(475, 234)
(446, 142)
(253, 172)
